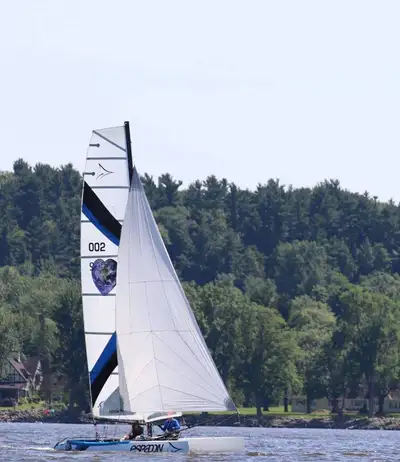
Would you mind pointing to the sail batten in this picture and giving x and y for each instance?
(164, 363)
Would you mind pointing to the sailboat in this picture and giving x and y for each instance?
(146, 355)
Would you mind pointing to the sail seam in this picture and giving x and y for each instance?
(149, 282)
(153, 247)
(145, 391)
(148, 304)
(185, 342)
(154, 351)
(153, 331)
(200, 343)
(197, 339)
(98, 333)
(98, 256)
(206, 356)
(88, 221)
(179, 356)
(190, 380)
(110, 187)
(94, 294)
(109, 141)
(105, 158)
(128, 218)
(146, 221)
(195, 396)
(161, 279)
(138, 375)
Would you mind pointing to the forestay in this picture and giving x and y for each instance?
(164, 363)
(104, 199)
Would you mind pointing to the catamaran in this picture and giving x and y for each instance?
(146, 355)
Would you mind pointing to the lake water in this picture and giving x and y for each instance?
(34, 442)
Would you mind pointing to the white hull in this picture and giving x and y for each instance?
(216, 444)
(183, 445)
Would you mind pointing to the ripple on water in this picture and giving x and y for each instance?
(34, 442)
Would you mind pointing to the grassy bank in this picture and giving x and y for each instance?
(278, 411)
(274, 418)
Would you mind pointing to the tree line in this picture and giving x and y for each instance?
(296, 291)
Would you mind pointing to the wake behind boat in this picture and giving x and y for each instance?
(146, 355)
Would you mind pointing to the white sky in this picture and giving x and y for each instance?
(247, 90)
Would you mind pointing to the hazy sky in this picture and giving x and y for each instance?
(247, 90)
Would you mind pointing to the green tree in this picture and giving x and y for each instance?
(261, 291)
(9, 341)
(70, 356)
(373, 321)
(269, 355)
(313, 322)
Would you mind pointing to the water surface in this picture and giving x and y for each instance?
(34, 442)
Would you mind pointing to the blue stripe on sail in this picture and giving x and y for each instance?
(99, 226)
(104, 358)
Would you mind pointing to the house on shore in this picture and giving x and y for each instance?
(19, 379)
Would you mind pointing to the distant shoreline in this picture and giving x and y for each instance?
(273, 421)
(347, 422)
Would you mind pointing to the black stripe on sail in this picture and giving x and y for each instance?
(110, 227)
(99, 215)
(98, 384)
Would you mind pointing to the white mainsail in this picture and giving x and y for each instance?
(104, 199)
(164, 363)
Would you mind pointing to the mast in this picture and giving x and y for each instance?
(128, 149)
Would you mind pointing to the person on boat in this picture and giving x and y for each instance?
(135, 433)
(171, 425)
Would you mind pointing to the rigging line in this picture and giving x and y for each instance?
(116, 425)
(212, 392)
(96, 435)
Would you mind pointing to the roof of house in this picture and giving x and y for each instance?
(31, 365)
(20, 368)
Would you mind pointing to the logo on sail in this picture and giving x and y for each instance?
(104, 275)
(103, 172)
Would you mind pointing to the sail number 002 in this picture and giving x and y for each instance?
(97, 246)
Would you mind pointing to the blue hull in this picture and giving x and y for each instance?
(139, 446)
